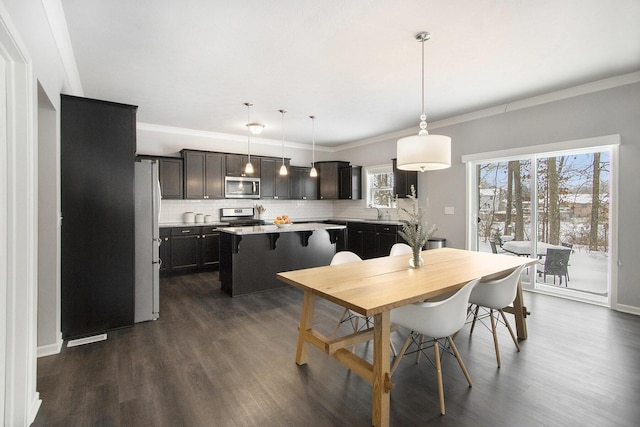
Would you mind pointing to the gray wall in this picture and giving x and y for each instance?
(610, 111)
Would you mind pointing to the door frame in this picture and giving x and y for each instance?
(19, 400)
(607, 142)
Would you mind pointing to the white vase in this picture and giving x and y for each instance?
(412, 263)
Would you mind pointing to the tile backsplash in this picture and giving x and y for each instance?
(172, 211)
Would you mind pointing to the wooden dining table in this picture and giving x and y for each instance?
(376, 286)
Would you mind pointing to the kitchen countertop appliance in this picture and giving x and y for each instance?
(239, 217)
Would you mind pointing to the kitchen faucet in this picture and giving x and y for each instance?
(378, 210)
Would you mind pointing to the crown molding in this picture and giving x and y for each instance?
(150, 127)
(58, 25)
(571, 92)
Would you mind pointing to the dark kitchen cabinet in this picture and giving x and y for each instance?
(386, 237)
(97, 151)
(189, 248)
(370, 240)
(303, 186)
(204, 174)
(272, 184)
(171, 175)
(185, 242)
(209, 247)
(235, 164)
(329, 179)
(403, 180)
(361, 239)
(350, 186)
(165, 250)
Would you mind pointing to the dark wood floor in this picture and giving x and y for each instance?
(215, 361)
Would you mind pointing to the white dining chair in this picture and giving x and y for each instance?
(492, 297)
(400, 249)
(439, 320)
(345, 257)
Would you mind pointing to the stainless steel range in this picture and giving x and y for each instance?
(239, 217)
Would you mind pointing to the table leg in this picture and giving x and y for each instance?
(519, 311)
(381, 369)
(306, 321)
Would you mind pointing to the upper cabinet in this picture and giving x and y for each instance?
(235, 164)
(303, 186)
(329, 179)
(170, 172)
(403, 180)
(204, 174)
(338, 180)
(351, 182)
(272, 184)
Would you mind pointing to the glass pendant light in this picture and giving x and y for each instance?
(423, 151)
(283, 168)
(248, 169)
(313, 173)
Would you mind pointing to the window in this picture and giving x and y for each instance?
(555, 203)
(379, 186)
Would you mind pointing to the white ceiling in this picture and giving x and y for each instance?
(354, 64)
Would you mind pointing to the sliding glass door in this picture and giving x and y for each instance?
(554, 207)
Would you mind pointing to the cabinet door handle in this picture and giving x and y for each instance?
(186, 231)
(203, 236)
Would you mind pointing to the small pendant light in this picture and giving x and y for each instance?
(248, 169)
(283, 168)
(313, 173)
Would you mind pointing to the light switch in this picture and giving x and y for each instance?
(449, 210)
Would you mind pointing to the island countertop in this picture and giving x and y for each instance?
(272, 228)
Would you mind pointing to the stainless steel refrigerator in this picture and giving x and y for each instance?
(147, 265)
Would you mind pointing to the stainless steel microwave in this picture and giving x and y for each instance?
(241, 187)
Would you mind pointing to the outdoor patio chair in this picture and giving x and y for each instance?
(556, 263)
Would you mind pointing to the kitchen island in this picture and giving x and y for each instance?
(250, 257)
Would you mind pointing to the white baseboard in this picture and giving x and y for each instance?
(86, 340)
(48, 350)
(628, 309)
(35, 407)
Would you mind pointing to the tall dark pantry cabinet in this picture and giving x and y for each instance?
(98, 144)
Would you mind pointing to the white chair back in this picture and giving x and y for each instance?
(436, 319)
(497, 294)
(400, 249)
(344, 257)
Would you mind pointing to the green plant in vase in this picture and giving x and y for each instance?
(415, 228)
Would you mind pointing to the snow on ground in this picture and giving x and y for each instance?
(588, 271)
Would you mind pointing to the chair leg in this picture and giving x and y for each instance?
(419, 352)
(495, 336)
(475, 317)
(513, 337)
(460, 362)
(398, 358)
(355, 329)
(436, 352)
(344, 314)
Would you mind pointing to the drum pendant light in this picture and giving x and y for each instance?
(423, 152)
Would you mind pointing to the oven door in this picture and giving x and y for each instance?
(241, 187)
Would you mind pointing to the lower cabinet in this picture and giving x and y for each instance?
(165, 250)
(189, 248)
(370, 240)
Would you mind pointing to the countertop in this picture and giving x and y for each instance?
(301, 221)
(263, 229)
